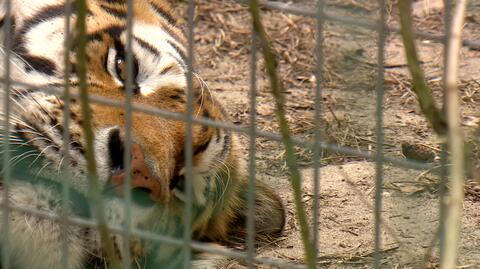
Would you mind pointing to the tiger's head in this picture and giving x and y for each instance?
(159, 71)
(159, 81)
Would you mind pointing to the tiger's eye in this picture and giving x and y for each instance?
(121, 68)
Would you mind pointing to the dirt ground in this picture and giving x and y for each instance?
(410, 197)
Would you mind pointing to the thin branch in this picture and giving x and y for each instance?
(94, 186)
(291, 159)
(455, 138)
(420, 87)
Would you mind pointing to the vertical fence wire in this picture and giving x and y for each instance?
(7, 26)
(66, 173)
(444, 153)
(442, 197)
(252, 153)
(317, 151)
(187, 233)
(127, 183)
(380, 92)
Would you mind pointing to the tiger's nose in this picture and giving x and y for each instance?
(141, 177)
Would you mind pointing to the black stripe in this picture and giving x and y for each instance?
(175, 180)
(2, 21)
(226, 145)
(75, 145)
(166, 15)
(177, 97)
(147, 46)
(201, 148)
(46, 14)
(114, 31)
(180, 51)
(18, 94)
(72, 84)
(115, 12)
(166, 70)
(39, 64)
(217, 133)
(52, 121)
(206, 115)
(95, 37)
(173, 34)
(59, 128)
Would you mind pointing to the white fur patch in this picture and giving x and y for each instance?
(199, 185)
(26, 9)
(37, 44)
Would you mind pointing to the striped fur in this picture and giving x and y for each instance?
(219, 181)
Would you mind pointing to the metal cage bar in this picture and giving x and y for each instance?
(380, 92)
(126, 261)
(66, 135)
(317, 150)
(252, 152)
(6, 139)
(187, 233)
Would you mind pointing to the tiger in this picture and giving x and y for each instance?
(35, 31)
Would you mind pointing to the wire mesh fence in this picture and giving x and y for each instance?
(184, 241)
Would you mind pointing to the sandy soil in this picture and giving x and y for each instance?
(410, 198)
